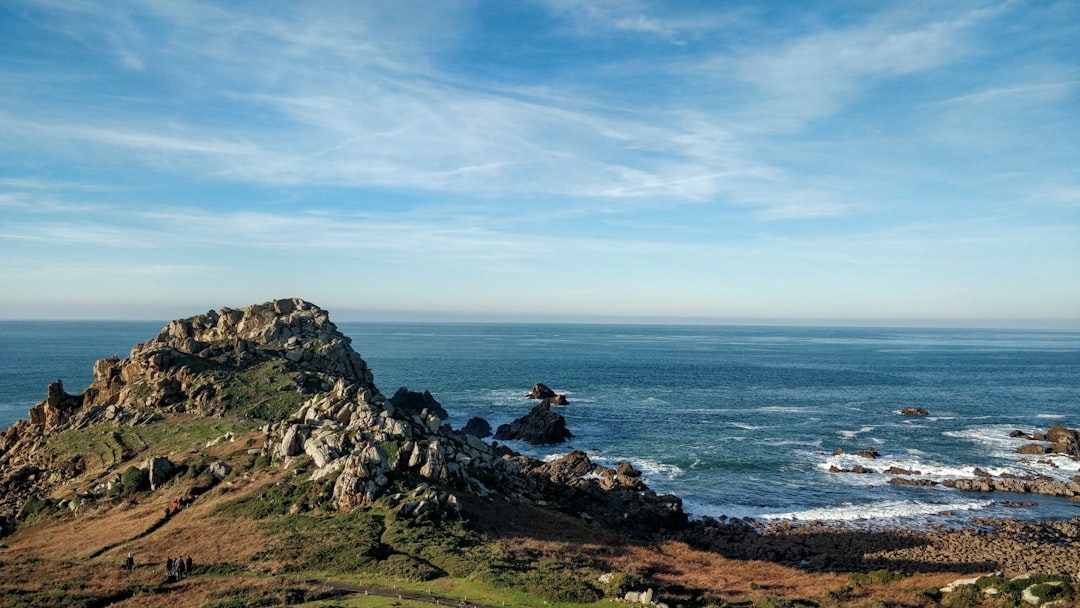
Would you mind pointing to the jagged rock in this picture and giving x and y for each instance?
(540, 391)
(1066, 441)
(557, 400)
(541, 426)
(158, 469)
(477, 427)
(412, 403)
(914, 411)
(57, 407)
(607, 496)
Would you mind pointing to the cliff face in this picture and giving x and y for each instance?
(284, 362)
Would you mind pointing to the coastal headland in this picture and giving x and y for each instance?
(256, 442)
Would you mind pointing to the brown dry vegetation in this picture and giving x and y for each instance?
(73, 559)
(679, 572)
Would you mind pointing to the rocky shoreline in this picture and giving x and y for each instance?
(326, 421)
(1012, 547)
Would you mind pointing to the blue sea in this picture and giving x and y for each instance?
(738, 421)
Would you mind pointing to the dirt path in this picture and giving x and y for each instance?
(401, 595)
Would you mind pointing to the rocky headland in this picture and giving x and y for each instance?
(342, 426)
(264, 425)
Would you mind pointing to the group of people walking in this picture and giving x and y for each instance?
(177, 505)
(178, 568)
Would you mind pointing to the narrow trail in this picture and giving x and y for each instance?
(148, 531)
(401, 595)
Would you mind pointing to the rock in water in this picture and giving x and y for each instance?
(477, 427)
(412, 403)
(541, 426)
(541, 391)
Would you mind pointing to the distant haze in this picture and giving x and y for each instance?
(883, 163)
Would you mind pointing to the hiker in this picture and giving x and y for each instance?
(168, 565)
(129, 562)
(187, 565)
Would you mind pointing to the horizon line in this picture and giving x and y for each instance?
(351, 316)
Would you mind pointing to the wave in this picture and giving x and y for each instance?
(847, 434)
(649, 468)
(784, 409)
(877, 510)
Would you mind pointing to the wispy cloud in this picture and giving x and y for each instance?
(695, 141)
(1023, 93)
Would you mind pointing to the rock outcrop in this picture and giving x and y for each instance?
(411, 403)
(540, 426)
(1059, 440)
(609, 494)
(542, 392)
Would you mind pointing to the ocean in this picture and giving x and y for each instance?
(738, 421)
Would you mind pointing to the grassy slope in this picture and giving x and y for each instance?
(257, 536)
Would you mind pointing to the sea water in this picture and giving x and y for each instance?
(738, 421)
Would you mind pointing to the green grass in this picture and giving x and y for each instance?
(262, 390)
(312, 540)
(103, 444)
(168, 436)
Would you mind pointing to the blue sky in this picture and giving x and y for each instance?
(842, 162)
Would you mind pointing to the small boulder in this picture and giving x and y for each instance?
(914, 411)
(220, 470)
(869, 453)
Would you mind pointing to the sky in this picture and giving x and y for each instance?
(868, 162)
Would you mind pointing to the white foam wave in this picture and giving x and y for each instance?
(882, 509)
(782, 409)
(1052, 416)
(848, 434)
(747, 427)
(648, 467)
(920, 468)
